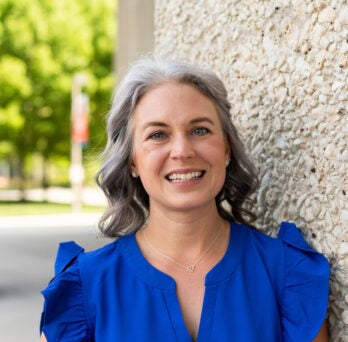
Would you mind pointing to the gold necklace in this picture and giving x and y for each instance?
(190, 268)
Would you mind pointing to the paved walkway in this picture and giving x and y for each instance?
(90, 195)
(28, 246)
(49, 221)
(27, 253)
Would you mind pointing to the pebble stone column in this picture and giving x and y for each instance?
(285, 65)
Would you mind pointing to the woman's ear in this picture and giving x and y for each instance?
(227, 152)
(227, 162)
(133, 171)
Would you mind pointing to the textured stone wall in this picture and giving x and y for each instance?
(285, 66)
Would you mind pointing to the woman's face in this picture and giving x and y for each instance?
(179, 149)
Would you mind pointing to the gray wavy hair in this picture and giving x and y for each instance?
(128, 202)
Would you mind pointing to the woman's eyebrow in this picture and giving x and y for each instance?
(155, 123)
(163, 124)
(202, 119)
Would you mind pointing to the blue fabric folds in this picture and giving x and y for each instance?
(305, 296)
(64, 316)
(67, 253)
(263, 289)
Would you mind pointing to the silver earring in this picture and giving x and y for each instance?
(134, 175)
(227, 162)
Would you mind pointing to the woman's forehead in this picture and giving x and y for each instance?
(171, 101)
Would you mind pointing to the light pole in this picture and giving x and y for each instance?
(79, 137)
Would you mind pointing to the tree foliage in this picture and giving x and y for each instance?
(43, 43)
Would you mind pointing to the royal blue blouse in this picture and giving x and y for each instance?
(263, 289)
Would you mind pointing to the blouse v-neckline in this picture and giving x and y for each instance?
(153, 277)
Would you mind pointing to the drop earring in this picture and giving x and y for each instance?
(227, 162)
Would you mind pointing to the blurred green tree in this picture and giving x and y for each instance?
(43, 43)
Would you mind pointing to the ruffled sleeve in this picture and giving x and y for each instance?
(64, 316)
(306, 290)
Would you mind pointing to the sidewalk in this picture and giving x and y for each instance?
(90, 195)
(37, 222)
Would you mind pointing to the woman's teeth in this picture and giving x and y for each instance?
(182, 177)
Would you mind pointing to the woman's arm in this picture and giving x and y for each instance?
(322, 335)
(43, 338)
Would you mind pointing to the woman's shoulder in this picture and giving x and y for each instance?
(67, 296)
(289, 237)
(107, 251)
(69, 252)
(258, 242)
(105, 256)
(304, 275)
(288, 248)
(73, 261)
(297, 251)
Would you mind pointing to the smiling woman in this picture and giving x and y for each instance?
(185, 266)
(179, 148)
(126, 212)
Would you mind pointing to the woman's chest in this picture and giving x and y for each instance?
(219, 312)
(190, 294)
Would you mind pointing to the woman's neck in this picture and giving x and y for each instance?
(184, 236)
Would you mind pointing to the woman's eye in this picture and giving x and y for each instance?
(200, 131)
(157, 136)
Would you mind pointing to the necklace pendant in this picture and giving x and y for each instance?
(190, 268)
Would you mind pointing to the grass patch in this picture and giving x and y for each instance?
(15, 208)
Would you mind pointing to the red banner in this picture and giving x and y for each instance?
(80, 120)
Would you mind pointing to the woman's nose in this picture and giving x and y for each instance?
(181, 148)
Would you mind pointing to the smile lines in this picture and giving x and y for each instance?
(183, 177)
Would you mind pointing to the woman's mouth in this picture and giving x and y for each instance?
(184, 177)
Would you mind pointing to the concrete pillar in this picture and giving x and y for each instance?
(135, 35)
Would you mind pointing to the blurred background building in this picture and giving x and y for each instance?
(136, 30)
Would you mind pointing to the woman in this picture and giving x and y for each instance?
(185, 266)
